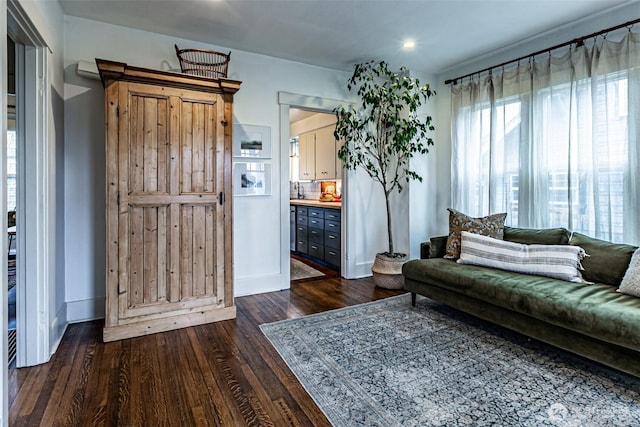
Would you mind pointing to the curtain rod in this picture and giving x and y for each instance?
(578, 41)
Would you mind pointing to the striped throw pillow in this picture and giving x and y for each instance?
(557, 261)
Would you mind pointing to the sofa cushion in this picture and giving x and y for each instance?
(631, 281)
(595, 310)
(532, 236)
(492, 226)
(606, 262)
(558, 261)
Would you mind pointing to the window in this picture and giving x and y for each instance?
(553, 145)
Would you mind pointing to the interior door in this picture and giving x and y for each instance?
(170, 222)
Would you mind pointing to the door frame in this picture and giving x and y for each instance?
(4, 412)
(286, 101)
(35, 218)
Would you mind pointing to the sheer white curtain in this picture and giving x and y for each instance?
(554, 142)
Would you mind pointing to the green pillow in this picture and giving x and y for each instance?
(438, 247)
(606, 262)
(532, 236)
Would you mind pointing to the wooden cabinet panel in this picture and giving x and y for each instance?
(168, 223)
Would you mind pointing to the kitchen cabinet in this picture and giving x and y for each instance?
(302, 243)
(325, 152)
(318, 234)
(317, 155)
(292, 228)
(307, 156)
(168, 223)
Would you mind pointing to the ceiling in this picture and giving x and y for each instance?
(339, 33)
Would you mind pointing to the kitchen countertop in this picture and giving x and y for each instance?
(315, 203)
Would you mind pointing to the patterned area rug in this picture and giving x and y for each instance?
(388, 364)
(300, 270)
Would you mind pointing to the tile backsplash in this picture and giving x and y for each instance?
(310, 189)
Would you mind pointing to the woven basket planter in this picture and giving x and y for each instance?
(387, 271)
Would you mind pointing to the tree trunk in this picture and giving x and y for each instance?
(386, 199)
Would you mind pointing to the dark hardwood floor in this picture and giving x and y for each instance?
(220, 374)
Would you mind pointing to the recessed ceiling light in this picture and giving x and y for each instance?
(408, 44)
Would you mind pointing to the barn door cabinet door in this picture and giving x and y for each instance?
(168, 167)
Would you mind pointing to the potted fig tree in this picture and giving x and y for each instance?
(381, 135)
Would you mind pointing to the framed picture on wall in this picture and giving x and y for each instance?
(251, 141)
(251, 179)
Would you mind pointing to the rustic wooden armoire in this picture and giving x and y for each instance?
(169, 200)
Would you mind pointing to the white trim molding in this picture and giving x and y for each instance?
(37, 328)
(85, 310)
(4, 390)
(36, 272)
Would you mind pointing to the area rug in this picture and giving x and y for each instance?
(389, 364)
(300, 270)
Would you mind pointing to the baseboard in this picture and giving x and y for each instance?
(93, 309)
(85, 310)
(58, 328)
(260, 284)
(360, 270)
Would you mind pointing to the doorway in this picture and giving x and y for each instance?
(11, 165)
(35, 190)
(289, 101)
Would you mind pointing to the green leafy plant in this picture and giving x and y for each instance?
(385, 131)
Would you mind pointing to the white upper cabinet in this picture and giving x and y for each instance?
(306, 156)
(325, 153)
(317, 154)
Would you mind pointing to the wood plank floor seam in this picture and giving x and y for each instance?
(220, 374)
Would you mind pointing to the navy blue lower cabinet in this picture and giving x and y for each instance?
(317, 233)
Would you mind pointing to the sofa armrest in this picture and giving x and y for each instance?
(425, 249)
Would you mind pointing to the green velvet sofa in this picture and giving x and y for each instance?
(592, 320)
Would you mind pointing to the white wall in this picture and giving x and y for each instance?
(580, 28)
(258, 226)
(49, 23)
(4, 383)
(422, 217)
(257, 220)
(40, 299)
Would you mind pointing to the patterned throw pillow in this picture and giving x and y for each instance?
(492, 226)
(557, 261)
(631, 281)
